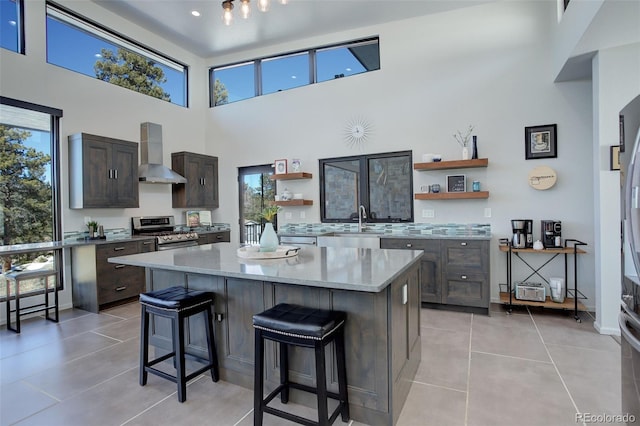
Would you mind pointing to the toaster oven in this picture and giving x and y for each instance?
(530, 291)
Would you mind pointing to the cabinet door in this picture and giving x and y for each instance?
(194, 189)
(430, 284)
(465, 273)
(124, 175)
(96, 173)
(210, 182)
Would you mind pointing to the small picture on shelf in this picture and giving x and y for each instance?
(456, 183)
(295, 165)
(193, 218)
(281, 167)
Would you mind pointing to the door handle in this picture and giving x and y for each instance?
(626, 334)
(115, 173)
(463, 244)
(463, 277)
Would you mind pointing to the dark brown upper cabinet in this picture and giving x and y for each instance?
(201, 172)
(103, 172)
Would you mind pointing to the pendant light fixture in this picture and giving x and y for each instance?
(245, 8)
(227, 14)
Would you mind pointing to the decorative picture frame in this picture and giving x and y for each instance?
(456, 183)
(614, 159)
(295, 165)
(280, 166)
(540, 141)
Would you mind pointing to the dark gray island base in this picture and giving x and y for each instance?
(378, 289)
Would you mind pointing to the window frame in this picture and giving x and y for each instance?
(56, 188)
(95, 29)
(20, 21)
(311, 52)
(363, 186)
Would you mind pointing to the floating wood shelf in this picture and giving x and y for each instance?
(294, 203)
(451, 195)
(458, 164)
(291, 176)
(568, 303)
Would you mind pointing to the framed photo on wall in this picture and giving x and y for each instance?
(540, 141)
(281, 167)
(614, 161)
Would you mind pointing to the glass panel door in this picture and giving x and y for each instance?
(256, 191)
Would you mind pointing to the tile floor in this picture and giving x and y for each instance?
(528, 368)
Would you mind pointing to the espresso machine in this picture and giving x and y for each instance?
(551, 233)
(522, 233)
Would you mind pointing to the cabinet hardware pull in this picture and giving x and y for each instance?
(120, 266)
(204, 181)
(409, 245)
(463, 244)
(464, 277)
(115, 173)
(110, 174)
(124, 287)
(219, 237)
(146, 243)
(118, 248)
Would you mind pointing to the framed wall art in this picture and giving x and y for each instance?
(614, 160)
(540, 141)
(281, 167)
(456, 183)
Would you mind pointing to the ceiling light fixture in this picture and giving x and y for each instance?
(263, 5)
(227, 15)
(245, 8)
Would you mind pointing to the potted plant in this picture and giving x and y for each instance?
(93, 227)
(269, 239)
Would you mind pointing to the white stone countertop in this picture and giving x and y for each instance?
(368, 270)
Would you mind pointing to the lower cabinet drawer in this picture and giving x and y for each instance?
(120, 282)
(465, 289)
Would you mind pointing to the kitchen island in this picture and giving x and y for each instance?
(378, 289)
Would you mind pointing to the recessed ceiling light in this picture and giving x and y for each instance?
(294, 77)
(13, 23)
(195, 13)
(97, 55)
(348, 69)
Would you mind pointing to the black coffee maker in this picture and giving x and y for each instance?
(522, 233)
(551, 233)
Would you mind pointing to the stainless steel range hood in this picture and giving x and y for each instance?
(151, 169)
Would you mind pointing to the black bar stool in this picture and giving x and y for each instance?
(177, 304)
(307, 327)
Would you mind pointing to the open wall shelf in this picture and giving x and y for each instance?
(457, 164)
(451, 195)
(291, 176)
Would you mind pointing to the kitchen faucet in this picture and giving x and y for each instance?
(362, 214)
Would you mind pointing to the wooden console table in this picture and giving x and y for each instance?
(571, 247)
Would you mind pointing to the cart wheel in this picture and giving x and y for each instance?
(578, 320)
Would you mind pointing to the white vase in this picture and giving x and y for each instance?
(465, 153)
(268, 239)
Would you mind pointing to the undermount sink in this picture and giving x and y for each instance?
(362, 239)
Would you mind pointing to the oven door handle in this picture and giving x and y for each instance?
(623, 318)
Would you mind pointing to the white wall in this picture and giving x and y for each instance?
(616, 81)
(489, 65)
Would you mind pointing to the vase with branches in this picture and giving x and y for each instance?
(463, 141)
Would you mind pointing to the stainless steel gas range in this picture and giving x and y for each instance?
(163, 228)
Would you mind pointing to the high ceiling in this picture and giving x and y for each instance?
(207, 36)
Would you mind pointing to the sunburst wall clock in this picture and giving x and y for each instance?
(357, 132)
